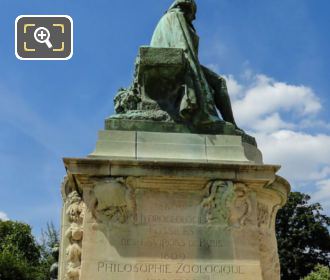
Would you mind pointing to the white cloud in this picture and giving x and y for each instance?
(314, 123)
(323, 193)
(271, 123)
(236, 89)
(303, 156)
(265, 97)
(280, 116)
(321, 174)
(3, 216)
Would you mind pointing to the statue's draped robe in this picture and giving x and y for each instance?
(174, 31)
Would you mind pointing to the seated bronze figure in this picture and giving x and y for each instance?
(170, 83)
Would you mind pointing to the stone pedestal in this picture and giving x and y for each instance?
(191, 213)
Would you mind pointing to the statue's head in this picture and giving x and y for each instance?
(188, 7)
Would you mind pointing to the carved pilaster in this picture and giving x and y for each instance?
(268, 205)
(74, 234)
(268, 245)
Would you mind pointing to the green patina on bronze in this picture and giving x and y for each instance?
(171, 86)
(216, 128)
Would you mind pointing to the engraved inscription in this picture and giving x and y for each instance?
(172, 243)
(167, 219)
(169, 268)
(162, 235)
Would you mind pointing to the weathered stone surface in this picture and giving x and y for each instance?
(172, 221)
(117, 144)
(161, 56)
(169, 146)
(132, 122)
(171, 192)
(175, 146)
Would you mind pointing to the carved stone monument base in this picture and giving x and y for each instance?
(143, 219)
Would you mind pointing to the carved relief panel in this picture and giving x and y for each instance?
(112, 201)
(227, 203)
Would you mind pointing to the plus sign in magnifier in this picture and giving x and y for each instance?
(42, 36)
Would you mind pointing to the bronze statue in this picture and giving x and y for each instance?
(170, 83)
(175, 30)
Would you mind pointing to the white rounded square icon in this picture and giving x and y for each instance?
(44, 37)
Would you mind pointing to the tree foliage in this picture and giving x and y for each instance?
(19, 252)
(320, 273)
(49, 240)
(21, 257)
(303, 237)
(15, 267)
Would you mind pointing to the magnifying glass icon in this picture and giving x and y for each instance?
(42, 35)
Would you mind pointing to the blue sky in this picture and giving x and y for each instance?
(274, 54)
